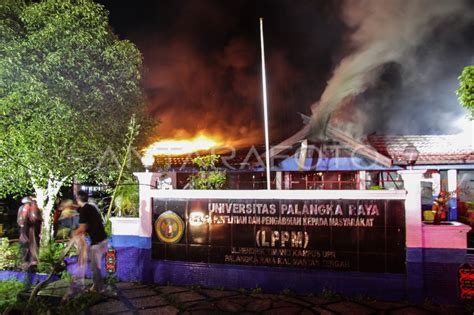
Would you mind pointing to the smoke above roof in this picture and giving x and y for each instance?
(401, 70)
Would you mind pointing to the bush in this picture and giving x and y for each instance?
(9, 255)
(208, 176)
(9, 290)
(376, 187)
(49, 258)
(127, 198)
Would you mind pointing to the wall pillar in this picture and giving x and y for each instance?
(362, 180)
(131, 237)
(434, 252)
(137, 231)
(278, 180)
(147, 181)
(413, 216)
(286, 180)
(453, 201)
(436, 181)
(414, 234)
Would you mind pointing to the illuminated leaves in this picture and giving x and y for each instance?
(465, 91)
(208, 176)
(68, 87)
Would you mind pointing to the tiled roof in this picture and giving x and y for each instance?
(433, 149)
(235, 159)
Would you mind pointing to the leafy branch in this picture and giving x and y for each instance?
(133, 131)
(465, 91)
(208, 176)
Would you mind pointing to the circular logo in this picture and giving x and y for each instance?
(169, 227)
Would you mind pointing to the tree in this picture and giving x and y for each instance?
(465, 91)
(68, 87)
(208, 176)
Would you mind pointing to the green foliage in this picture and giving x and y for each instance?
(242, 290)
(329, 294)
(68, 86)
(465, 91)
(195, 287)
(111, 279)
(63, 233)
(9, 290)
(74, 305)
(127, 198)
(126, 201)
(361, 298)
(257, 290)
(49, 258)
(108, 228)
(79, 302)
(288, 292)
(66, 276)
(206, 162)
(9, 255)
(376, 187)
(208, 176)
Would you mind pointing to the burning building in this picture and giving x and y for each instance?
(337, 162)
(320, 221)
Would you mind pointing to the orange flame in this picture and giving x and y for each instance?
(200, 142)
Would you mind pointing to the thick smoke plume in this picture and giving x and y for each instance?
(398, 69)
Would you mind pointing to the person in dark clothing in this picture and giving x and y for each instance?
(91, 223)
(29, 219)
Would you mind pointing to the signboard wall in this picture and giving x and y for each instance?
(340, 235)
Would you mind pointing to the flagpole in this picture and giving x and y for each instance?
(265, 107)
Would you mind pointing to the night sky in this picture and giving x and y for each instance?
(201, 63)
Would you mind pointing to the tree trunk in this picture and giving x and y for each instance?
(45, 197)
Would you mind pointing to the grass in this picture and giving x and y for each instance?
(329, 294)
(195, 287)
(111, 279)
(288, 292)
(9, 290)
(41, 304)
(362, 298)
(256, 290)
(242, 291)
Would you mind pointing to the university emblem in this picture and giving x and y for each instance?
(169, 227)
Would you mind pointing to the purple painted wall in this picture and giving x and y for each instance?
(431, 273)
(22, 276)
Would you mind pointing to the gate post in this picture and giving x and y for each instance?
(413, 215)
(414, 234)
(131, 236)
(146, 181)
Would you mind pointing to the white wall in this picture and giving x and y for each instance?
(417, 234)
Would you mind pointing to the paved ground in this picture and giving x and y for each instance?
(145, 299)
